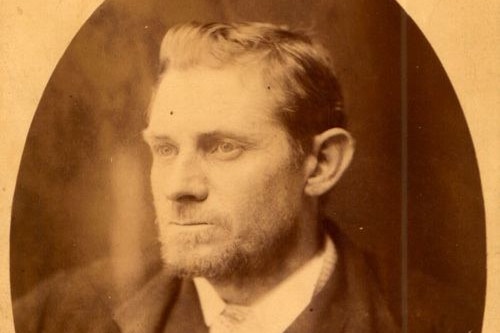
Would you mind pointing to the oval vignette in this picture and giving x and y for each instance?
(71, 208)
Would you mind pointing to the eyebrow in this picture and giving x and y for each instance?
(149, 136)
(223, 134)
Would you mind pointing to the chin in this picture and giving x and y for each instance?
(211, 262)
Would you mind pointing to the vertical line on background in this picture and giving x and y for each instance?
(404, 171)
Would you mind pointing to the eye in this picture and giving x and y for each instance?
(165, 150)
(226, 150)
(226, 147)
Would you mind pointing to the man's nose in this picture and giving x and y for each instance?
(187, 180)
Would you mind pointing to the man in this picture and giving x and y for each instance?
(246, 132)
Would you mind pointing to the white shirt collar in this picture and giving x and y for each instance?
(276, 310)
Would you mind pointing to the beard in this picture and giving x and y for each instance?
(218, 252)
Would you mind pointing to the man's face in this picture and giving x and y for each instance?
(226, 190)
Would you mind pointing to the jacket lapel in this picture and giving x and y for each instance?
(327, 310)
(350, 302)
(186, 315)
(145, 311)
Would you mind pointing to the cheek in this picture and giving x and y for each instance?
(243, 181)
(157, 172)
(154, 180)
(258, 195)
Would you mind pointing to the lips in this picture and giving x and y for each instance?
(188, 223)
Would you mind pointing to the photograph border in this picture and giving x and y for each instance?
(465, 36)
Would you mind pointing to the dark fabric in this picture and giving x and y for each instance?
(349, 302)
(67, 303)
(87, 301)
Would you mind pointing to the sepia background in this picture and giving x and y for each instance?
(33, 50)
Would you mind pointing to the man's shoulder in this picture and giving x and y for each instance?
(84, 299)
(65, 301)
(355, 288)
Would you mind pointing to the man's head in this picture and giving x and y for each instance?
(245, 133)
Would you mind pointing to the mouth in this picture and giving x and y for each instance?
(189, 223)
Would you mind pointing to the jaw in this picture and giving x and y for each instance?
(244, 264)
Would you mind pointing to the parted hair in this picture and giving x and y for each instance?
(294, 66)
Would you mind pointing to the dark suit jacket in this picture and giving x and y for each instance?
(85, 302)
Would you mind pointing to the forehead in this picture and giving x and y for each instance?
(204, 99)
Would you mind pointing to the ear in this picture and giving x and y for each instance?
(331, 155)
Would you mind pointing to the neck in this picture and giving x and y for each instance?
(246, 288)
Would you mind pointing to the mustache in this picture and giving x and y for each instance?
(183, 210)
(168, 216)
